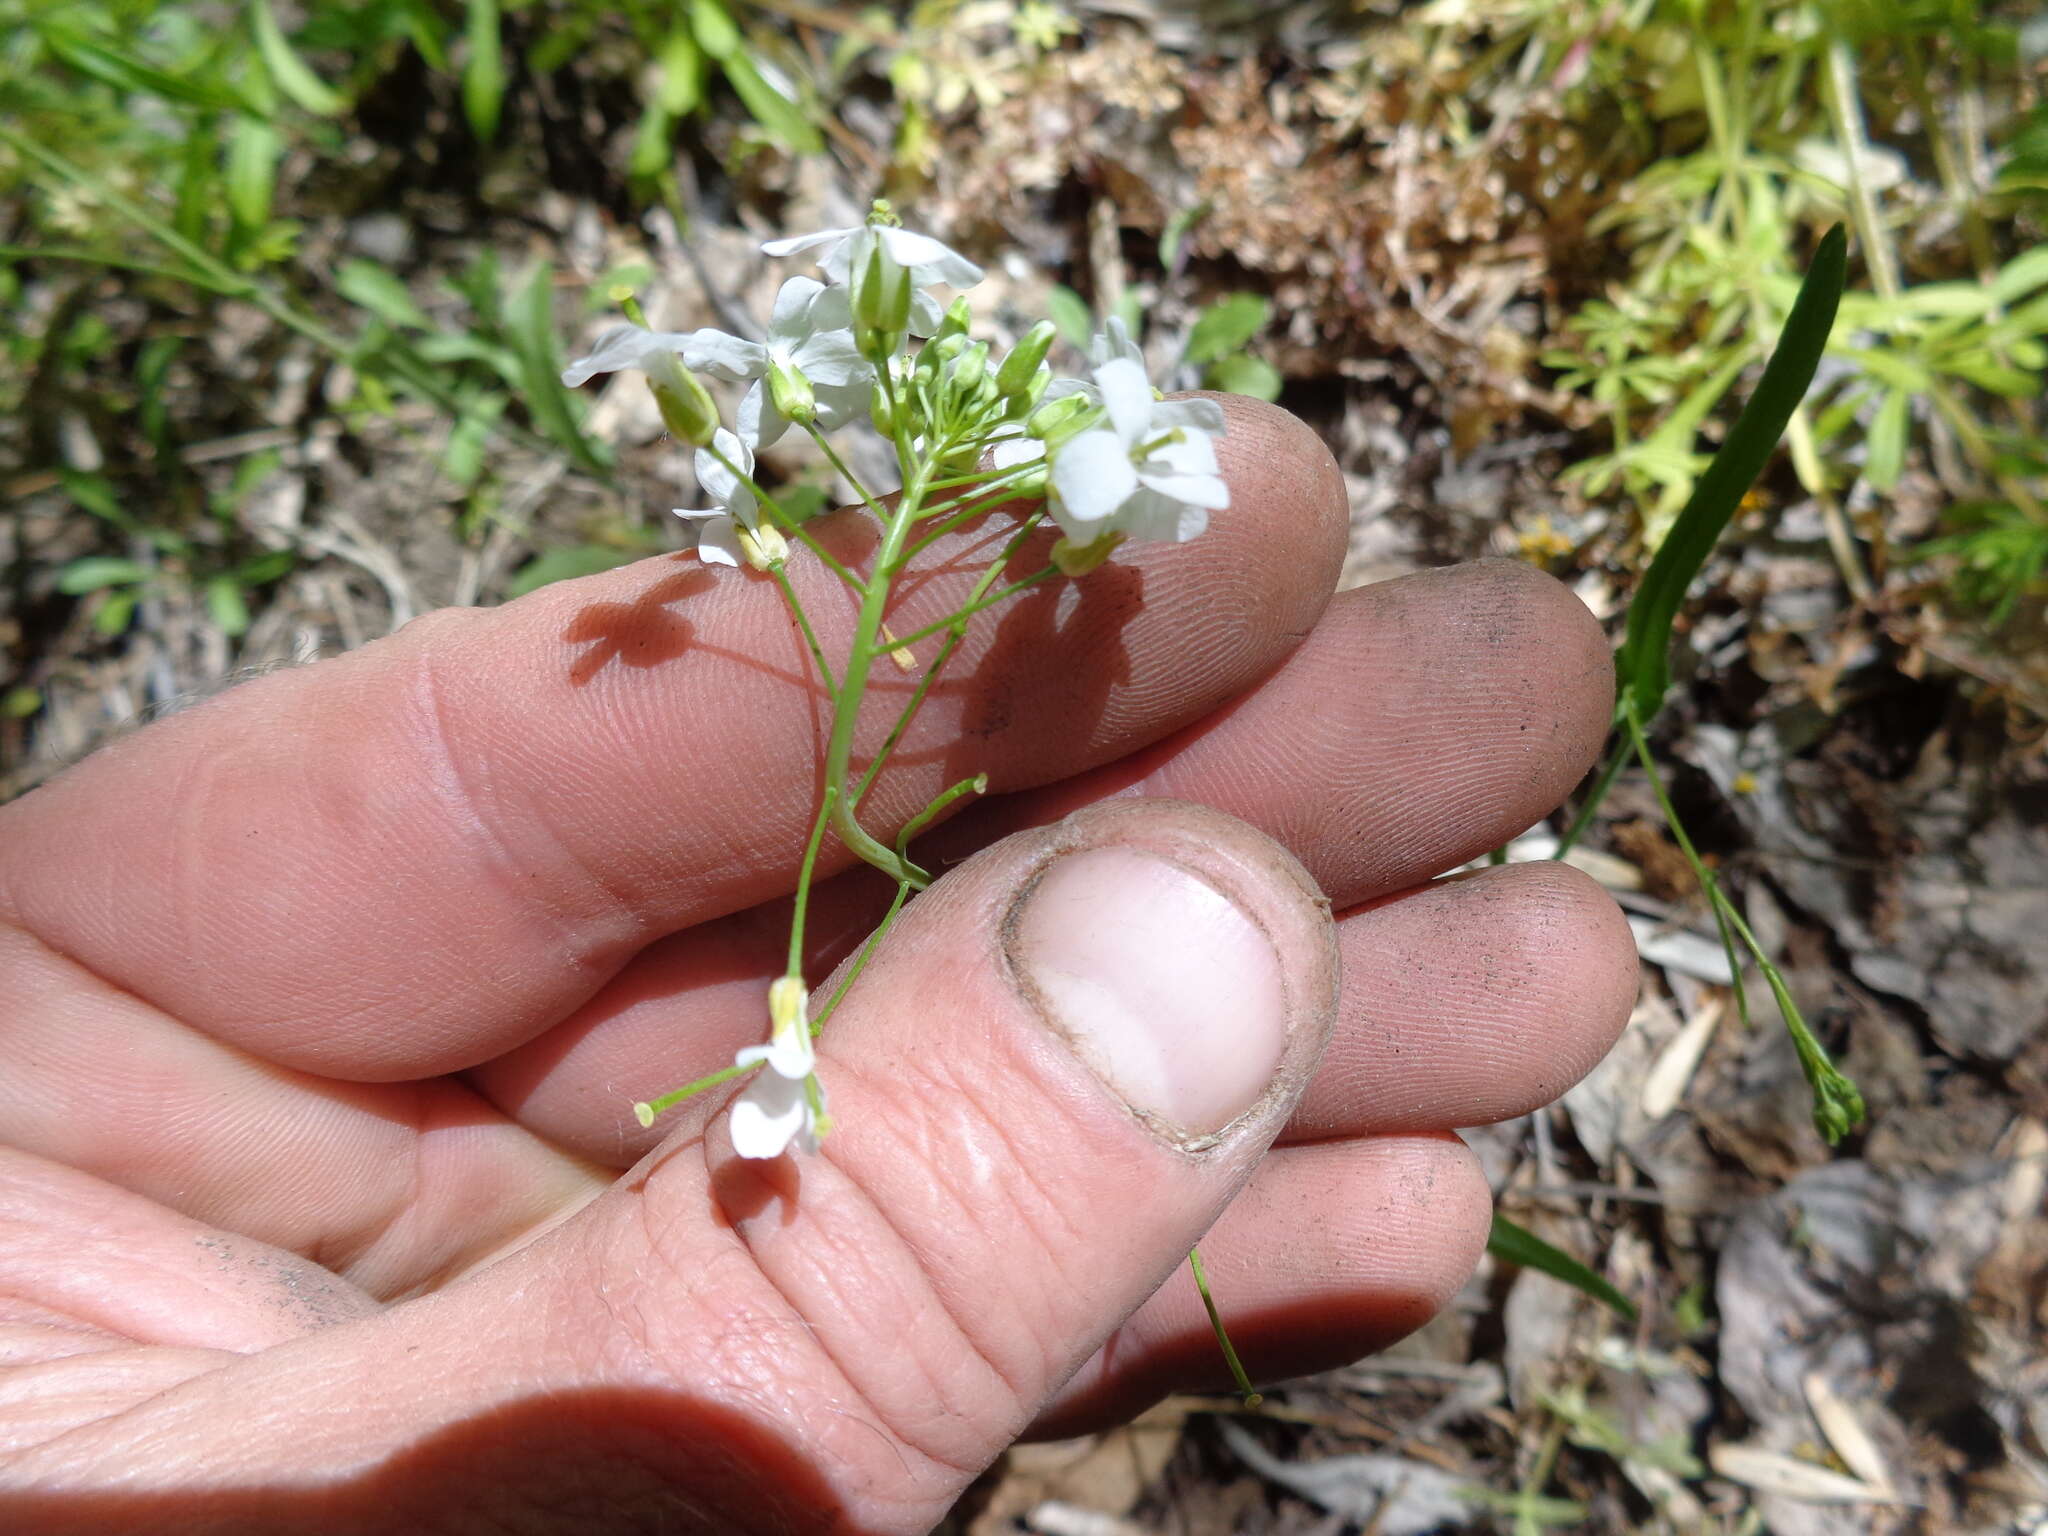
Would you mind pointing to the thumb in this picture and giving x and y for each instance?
(1058, 1069)
(1055, 1073)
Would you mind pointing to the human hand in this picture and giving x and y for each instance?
(326, 1001)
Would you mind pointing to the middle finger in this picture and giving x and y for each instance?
(1424, 721)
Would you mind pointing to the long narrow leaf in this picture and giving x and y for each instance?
(1645, 660)
(483, 73)
(124, 72)
(288, 71)
(1513, 1244)
(531, 330)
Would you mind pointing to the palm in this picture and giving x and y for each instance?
(332, 993)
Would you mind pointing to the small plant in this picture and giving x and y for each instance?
(974, 436)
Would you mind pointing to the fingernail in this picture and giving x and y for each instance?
(1162, 984)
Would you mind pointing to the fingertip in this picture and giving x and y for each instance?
(1564, 645)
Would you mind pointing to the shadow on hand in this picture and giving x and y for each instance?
(1278, 1342)
(624, 1462)
(642, 633)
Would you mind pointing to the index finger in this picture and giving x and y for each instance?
(412, 858)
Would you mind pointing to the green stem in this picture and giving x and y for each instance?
(826, 801)
(1600, 787)
(1845, 109)
(645, 1111)
(1837, 1103)
(954, 634)
(846, 472)
(783, 520)
(781, 575)
(978, 785)
(860, 660)
(1245, 1389)
(860, 962)
(981, 506)
(976, 607)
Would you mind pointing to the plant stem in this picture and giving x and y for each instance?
(646, 1111)
(1837, 1104)
(860, 660)
(1601, 785)
(979, 507)
(860, 962)
(956, 631)
(826, 801)
(781, 575)
(846, 472)
(973, 608)
(1245, 1389)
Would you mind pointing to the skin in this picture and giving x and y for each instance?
(321, 1205)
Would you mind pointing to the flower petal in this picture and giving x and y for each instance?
(759, 422)
(718, 540)
(831, 358)
(1201, 415)
(622, 347)
(768, 1116)
(790, 323)
(839, 404)
(731, 358)
(1192, 453)
(929, 260)
(1128, 395)
(1161, 519)
(796, 243)
(1091, 477)
(1208, 491)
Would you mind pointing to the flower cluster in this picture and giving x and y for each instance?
(1103, 457)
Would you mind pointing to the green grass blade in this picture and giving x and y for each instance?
(1645, 659)
(530, 327)
(128, 74)
(1513, 1244)
(483, 73)
(288, 71)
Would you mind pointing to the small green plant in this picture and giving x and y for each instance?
(223, 578)
(169, 146)
(1949, 365)
(1643, 665)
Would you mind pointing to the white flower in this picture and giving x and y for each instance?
(629, 346)
(686, 407)
(1148, 473)
(785, 1103)
(848, 254)
(719, 537)
(1113, 341)
(810, 334)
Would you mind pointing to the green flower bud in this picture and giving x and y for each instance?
(687, 408)
(1024, 402)
(956, 319)
(1079, 559)
(881, 304)
(881, 413)
(1059, 420)
(764, 547)
(1021, 366)
(791, 393)
(971, 367)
